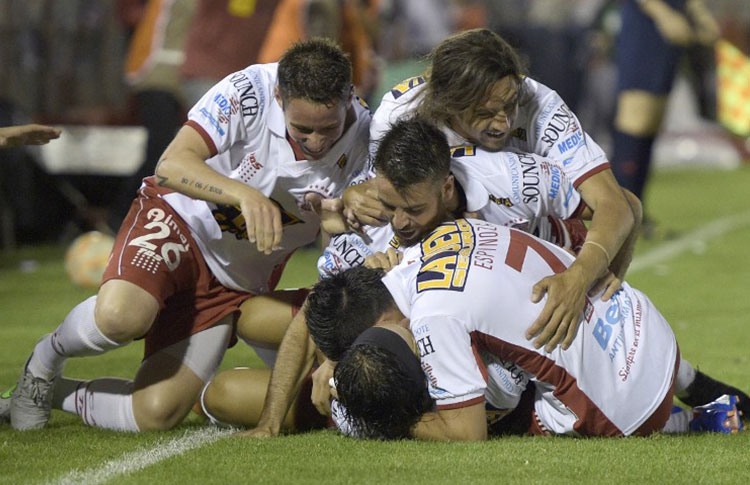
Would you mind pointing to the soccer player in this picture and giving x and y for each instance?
(462, 291)
(215, 226)
(475, 90)
(488, 184)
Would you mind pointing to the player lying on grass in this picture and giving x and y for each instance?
(456, 302)
(215, 226)
(475, 90)
(423, 149)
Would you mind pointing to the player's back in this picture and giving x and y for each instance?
(621, 362)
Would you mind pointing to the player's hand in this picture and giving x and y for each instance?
(671, 24)
(385, 261)
(609, 283)
(362, 206)
(262, 220)
(330, 211)
(321, 389)
(14, 136)
(559, 319)
(256, 433)
(707, 30)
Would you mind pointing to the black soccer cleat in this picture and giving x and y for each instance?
(705, 389)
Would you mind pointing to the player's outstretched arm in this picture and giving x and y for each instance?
(15, 136)
(611, 224)
(462, 424)
(293, 362)
(182, 168)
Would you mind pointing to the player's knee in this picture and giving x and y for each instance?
(157, 412)
(639, 113)
(121, 320)
(217, 396)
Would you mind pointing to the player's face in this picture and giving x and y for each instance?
(489, 126)
(313, 126)
(417, 211)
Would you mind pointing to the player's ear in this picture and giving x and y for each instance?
(277, 96)
(449, 188)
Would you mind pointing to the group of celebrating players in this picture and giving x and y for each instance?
(461, 294)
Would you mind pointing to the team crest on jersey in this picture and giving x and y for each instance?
(463, 151)
(341, 161)
(502, 201)
(406, 85)
(519, 133)
(230, 219)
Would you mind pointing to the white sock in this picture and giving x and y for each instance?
(104, 403)
(679, 421)
(685, 377)
(77, 336)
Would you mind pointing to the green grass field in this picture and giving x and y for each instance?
(698, 278)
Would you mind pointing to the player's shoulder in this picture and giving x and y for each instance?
(400, 99)
(250, 90)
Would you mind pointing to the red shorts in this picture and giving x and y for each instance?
(155, 251)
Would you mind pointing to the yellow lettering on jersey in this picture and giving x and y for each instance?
(446, 254)
(463, 151)
(406, 85)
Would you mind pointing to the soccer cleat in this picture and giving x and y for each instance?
(5, 400)
(720, 416)
(31, 402)
(704, 390)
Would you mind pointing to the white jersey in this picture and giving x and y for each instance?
(544, 126)
(507, 188)
(244, 126)
(466, 290)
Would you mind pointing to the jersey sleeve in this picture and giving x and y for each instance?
(455, 373)
(230, 111)
(560, 137)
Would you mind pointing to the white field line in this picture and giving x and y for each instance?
(137, 460)
(690, 240)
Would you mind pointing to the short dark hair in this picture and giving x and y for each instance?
(316, 70)
(463, 69)
(380, 398)
(412, 151)
(342, 306)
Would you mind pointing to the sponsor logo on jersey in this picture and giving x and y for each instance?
(530, 178)
(425, 347)
(519, 133)
(463, 151)
(561, 123)
(404, 86)
(212, 121)
(446, 254)
(349, 252)
(501, 201)
(555, 180)
(248, 96)
(571, 142)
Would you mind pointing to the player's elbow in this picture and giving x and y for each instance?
(636, 207)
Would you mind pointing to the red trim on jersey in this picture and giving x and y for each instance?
(591, 420)
(206, 137)
(593, 171)
(298, 154)
(462, 404)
